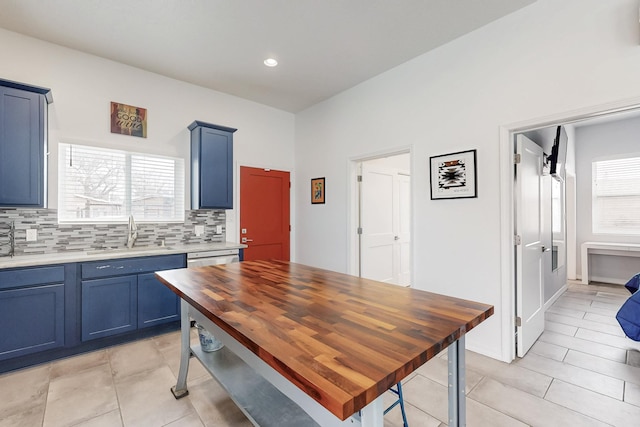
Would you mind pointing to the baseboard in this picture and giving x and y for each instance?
(28, 360)
(554, 297)
(610, 280)
(485, 351)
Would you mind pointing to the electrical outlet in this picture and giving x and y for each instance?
(218, 229)
(32, 235)
(199, 230)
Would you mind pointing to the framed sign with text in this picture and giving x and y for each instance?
(128, 120)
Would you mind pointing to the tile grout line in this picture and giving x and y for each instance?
(514, 417)
(576, 366)
(597, 372)
(46, 399)
(115, 389)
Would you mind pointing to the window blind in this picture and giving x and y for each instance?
(103, 185)
(616, 196)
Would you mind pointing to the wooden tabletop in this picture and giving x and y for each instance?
(341, 339)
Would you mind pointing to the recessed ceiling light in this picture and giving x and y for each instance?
(270, 62)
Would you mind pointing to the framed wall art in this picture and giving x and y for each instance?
(128, 120)
(317, 191)
(454, 176)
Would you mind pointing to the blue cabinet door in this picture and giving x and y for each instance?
(31, 319)
(109, 306)
(211, 166)
(22, 149)
(156, 303)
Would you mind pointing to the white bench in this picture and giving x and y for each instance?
(605, 248)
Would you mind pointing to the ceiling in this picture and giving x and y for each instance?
(323, 46)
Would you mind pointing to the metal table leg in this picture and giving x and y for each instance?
(180, 389)
(372, 414)
(457, 402)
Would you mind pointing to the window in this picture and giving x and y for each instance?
(616, 196)
(102, 185)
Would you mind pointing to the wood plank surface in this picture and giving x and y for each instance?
(341, 339)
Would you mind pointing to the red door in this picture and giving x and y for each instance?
(264, 213)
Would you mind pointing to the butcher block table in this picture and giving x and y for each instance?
(306, 346)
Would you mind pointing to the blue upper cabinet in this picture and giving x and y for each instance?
(23, 137)
(211, 166)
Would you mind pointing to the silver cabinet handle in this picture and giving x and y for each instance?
(545, 249)
(100, 267)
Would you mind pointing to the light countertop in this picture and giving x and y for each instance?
(105, 254)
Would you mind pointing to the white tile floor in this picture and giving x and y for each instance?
(575, 375)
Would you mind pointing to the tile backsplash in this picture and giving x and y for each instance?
(53, 237)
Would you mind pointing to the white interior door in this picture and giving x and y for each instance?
(385, 222)
(529, 251)
(377, 223)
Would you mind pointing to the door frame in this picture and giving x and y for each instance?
(507, 203)
(232, 216)
(353, 208)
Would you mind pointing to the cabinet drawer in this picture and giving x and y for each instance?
(120, 267)
(31, 276)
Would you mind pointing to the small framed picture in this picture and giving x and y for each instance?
(317, 191)
(128, 120)
(454, 176)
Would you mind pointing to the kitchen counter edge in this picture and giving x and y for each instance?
(108, 254)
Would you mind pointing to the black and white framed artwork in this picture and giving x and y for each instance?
(454, 176)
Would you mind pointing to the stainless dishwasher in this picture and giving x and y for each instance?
(208, 341)
(216, 257)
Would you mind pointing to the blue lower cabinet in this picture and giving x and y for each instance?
(52, 311)
(109, 306)
(32, 320)
(157, 303)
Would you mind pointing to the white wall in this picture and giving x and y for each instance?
(596, 142)
(398, 161)
(83, 87)
(552, 57)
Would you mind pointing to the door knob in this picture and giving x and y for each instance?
(245, 240)
(545, 249)
(396, 238)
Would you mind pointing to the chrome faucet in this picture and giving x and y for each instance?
(133, 232)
